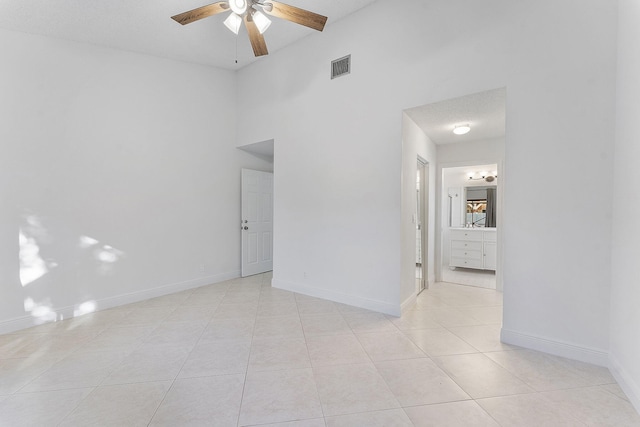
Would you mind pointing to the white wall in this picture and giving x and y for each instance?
(415, 143)
(134, 152)
(339, 153)
(471, 153)
(625, 285)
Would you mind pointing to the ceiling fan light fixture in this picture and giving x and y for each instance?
(245, 14)
(461, 129)
(239, 7)
(233, 23)
(261, 21)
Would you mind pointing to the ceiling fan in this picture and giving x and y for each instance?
(248, 11)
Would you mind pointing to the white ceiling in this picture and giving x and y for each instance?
(263, 149)
(146, 26)
(484, 112)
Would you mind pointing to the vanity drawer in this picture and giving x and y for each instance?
(466, 254)
(490, 236)
(463, 244)
(467, 263)
(475, 235)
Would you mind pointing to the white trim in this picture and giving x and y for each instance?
(24, 322)
(625, 381)
(557, 348)
(409, 303)
(369, 304)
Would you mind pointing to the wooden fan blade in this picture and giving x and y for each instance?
(257, 40)
(201, 12)
(295, 14)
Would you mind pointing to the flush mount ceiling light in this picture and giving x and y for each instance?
(461, 129)
(248, 11)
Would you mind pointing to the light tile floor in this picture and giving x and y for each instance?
(469, 276)
(241, 353)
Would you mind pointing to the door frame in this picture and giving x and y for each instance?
(423, 221)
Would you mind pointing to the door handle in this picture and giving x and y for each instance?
(245, 228)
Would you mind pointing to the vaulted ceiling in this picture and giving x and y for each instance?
(145, 26)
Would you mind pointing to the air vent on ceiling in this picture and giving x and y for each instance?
(341, 67)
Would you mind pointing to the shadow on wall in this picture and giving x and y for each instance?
(45, 262)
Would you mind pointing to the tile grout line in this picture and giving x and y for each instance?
(246, 372)
(164, 397)
(313, 373)
(373, 363)
(94, 388)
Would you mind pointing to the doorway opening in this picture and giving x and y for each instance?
(483, 116)
(469, 236)
(257, 206)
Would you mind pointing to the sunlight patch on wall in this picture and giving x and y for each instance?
(32, 266)
(107, 255)
(41, 311)
(35, 242)
(87, 242)
(84, 308)
(31, 235)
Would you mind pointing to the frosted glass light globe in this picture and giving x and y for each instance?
(233, 22)
(261, 21)
(238, 6)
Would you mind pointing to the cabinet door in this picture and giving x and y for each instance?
(490, 255)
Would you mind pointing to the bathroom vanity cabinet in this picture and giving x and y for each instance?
(473, 248)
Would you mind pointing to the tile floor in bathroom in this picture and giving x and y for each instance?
(241, 353)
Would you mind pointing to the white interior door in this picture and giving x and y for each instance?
(257, 222)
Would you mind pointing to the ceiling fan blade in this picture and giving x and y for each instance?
(295, 14)
(257, 40)
(201, 12)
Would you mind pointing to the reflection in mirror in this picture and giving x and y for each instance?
(480, 207)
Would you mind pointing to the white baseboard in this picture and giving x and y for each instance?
(625, 381)
(408, 303)
(356, 301)
(557, 348)
(24, 322)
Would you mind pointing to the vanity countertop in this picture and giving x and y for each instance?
(474, 228)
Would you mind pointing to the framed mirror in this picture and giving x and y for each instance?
(480, 206)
